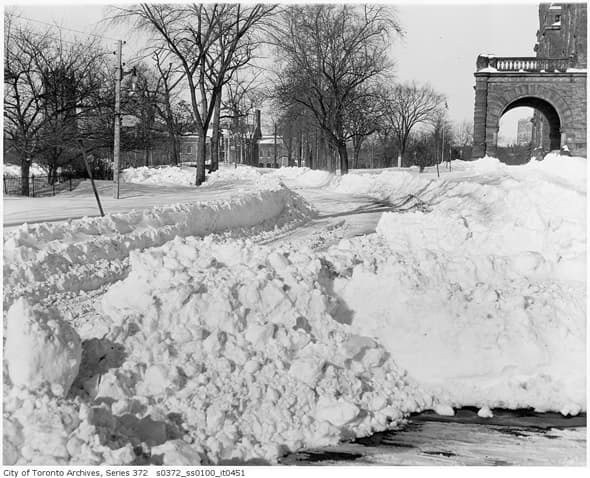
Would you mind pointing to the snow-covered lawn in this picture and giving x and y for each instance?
(14, 170)
(249, 325)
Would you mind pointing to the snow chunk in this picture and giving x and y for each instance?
(485, 412)
(41, 348)
(444, 410)
(337, 412)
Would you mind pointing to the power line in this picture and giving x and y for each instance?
(63, 28)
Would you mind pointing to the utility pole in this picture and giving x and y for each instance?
(117, 143)
(275, 144)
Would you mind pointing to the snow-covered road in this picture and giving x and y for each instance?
(471, 292)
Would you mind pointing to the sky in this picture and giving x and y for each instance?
(440, 45)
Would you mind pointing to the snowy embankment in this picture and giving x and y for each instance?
(482, 299)
(84, 254)
(213, 350)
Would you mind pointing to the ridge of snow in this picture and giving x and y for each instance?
(84, 254)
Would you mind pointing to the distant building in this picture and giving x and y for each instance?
(242, 145)
(524, 131)
(266, 151)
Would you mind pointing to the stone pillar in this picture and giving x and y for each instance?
(480, 115)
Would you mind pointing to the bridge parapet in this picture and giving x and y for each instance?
(519, 64)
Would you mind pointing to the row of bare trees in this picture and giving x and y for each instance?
(331, 82)
(52, 91)
(335, 70)
(59, 100)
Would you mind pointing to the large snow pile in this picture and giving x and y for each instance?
(487, 288)
(79, 255)
(219, 351)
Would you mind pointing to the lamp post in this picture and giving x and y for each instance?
(119, 75)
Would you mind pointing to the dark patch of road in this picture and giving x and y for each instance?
(526, 418)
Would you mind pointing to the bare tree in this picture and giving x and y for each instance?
(172, 116)
(198, 35)
(241, 98)
(364, 118)
(464, 132)
(408, 105)
(328, 52)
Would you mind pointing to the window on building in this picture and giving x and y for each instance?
(189, 149)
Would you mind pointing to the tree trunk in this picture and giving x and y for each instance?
(174, 143)
(356, 144)
(343, 153)
(317, 151)
(402, 153)
(324, 155)
(300, 155)
(52, 174)
(201, 156)
(290, 152)
(215, 136)
(25, 168)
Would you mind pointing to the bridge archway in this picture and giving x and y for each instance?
(558, 95)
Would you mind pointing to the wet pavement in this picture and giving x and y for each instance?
(521, 437)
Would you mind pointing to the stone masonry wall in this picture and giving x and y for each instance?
(498, 92)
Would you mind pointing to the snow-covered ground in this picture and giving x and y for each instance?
(247, 324)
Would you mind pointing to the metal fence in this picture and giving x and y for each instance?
(40, 186)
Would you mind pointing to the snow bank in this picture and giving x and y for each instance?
(235, 350)
(185, 176)
(84, 254)
(487, 289)
(14, 170)
(240, 176)
(163, 175)
(300, 178)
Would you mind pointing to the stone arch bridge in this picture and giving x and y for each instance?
(551, 86)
